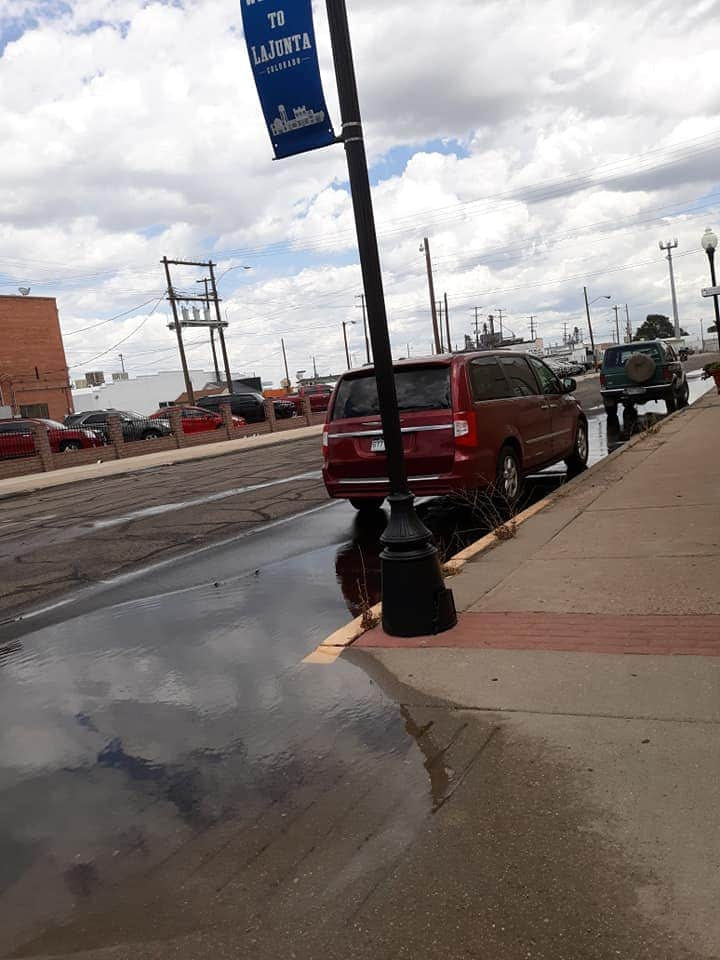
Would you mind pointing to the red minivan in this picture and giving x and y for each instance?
(470, 421)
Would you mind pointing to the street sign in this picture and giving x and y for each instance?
(711, 291)
(284, 62)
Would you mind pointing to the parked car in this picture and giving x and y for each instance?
(564, 367)
(134, 425)
(471, 421)
(646, 370)
(250, 405)
(17, 438)
(318, 393)
(195, 419)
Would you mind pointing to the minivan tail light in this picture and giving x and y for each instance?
(603, 379)
(465, 429)
(325, 444)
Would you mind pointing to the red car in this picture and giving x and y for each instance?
(319, 394)
(471, 421)
(18, 440)
(196, 419)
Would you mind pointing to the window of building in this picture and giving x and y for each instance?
(487, 379)
(34, 410)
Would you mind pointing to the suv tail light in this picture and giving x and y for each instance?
(603, 379)
(667, 374)
(465, 429)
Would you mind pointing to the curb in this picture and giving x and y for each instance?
(346, 635)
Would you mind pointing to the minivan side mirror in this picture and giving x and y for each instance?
(568, 385)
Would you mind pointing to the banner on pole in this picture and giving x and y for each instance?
(284, 61)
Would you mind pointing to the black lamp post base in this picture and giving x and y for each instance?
(415, 600)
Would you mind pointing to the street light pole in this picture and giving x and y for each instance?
(670, 245)
(590, 329)
(709, 244)
(415, 601)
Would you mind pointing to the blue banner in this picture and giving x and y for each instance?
(283, 56)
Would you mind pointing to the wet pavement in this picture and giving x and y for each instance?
(169, 765)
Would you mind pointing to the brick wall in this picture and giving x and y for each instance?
(33, 368)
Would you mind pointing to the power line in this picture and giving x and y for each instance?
(139, 327)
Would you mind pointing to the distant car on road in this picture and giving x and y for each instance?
(249, 404)
(134, 425)
(642, 371)
(471, 421)
(195, 419)
(17, 438)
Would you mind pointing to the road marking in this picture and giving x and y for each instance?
(199, 501)
(161, 564)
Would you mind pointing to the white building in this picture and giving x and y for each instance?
(139, 394)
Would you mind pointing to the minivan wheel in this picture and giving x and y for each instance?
(508, 480)
(579, 457)
(367, 504)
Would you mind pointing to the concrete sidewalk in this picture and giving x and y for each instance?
(595, 635)
(29, 483)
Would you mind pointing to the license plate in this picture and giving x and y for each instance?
(635, 391)
(378, 445)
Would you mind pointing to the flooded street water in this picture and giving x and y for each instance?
(150, 721)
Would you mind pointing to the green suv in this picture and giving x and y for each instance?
(637, 372)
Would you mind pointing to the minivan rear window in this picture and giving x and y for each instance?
(616, 357)
(418, 388)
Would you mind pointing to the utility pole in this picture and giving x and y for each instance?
(122, 362)
(670, 245)
(447, 323)
(565, 336)
(347, 351)
(532, 328)
(590, 329)
(439, 307)
(500, 313)
(628, 326)
(477, 328)
(616, 308)
(361, 298)
(221, 334)
(206, 281)
(287, 373)
(315, 373)
(431, 288)
(178, 330)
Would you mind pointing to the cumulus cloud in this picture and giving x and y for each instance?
(539, 150)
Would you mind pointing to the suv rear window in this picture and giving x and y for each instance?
(418, 388)
(617, 357)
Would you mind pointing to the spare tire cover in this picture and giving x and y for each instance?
(640, 368)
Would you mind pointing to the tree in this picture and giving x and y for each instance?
(657, 327)
(712, 329)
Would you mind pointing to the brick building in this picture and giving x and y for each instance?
(33, 369)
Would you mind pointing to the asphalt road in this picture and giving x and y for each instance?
(176, 782)
(65, 539)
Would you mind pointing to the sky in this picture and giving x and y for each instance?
(540, 148)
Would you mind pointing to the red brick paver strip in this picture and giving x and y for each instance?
(573, 632)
